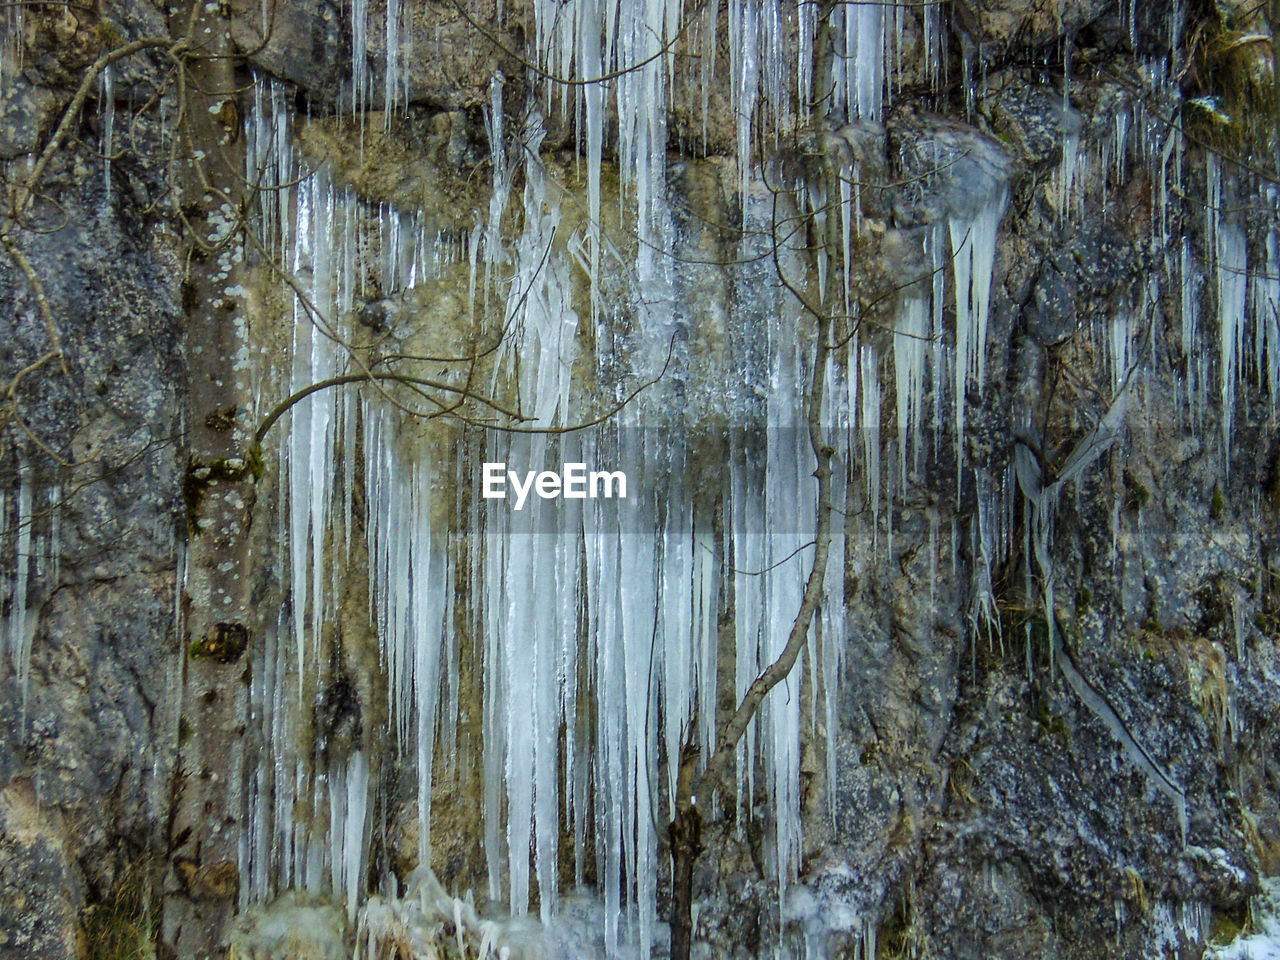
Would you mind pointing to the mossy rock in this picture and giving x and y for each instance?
(225, 643)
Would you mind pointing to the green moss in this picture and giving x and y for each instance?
(1214, 606)
(1268, 624)
(1227, 927)
(110, 35)
(230, 468)
(1084, 599)
(253, 458)
(1224, 930)
(1056, 727)
(1050, 721)
(225, 643)
(1206, 121)
(1019, 627)
(1137, 494)
(184, 730)
(1231, 89)
(193, 491)
(112, 934)
(1217, 503)
(1135, 891)
(222, 420)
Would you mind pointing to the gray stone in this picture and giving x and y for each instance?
(26, 113)
(943, 168)
(1035, 121)
(1050, 315)
(998, 25)
(304, 43)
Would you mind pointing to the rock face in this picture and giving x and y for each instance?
(1001, 27)
(90, 551)
(975, 802)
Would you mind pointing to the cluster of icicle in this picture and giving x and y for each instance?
(29, 530)
(427, 923)
(30, 513)
(651, 599)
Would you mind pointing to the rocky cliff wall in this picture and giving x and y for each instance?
(1000, 769)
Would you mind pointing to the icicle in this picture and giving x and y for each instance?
(1118, 348)
(501, 190)
(984, 614)
(1266, 313)
(602, 565)
(21, 626)
(348, 812)
(910, 347)
(53, 574)
(632, 621)
(680, 657)
(428, 601)
(11, 45)
(268, 161)
(789, 493)
(495, 693)
(934, 51)
(310, 440)
(973, 246)
(1197, 360)
(1067, 175)
(865, 46)
(1120, 143)
(744, 65)
(395, 87)
(107, 92)
(869, 418)
(1231, 272)
(532, 600)
(593, 107)
(359, 60)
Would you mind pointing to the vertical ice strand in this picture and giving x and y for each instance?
(973, 247)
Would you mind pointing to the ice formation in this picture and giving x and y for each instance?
(625, 611)
(910, 352)
(601, 639)
(973, 249)
(1231, 272)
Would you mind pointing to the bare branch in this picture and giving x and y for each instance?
(42, 300)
